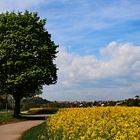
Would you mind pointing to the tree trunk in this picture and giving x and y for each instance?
(6, 106)
(17, 106)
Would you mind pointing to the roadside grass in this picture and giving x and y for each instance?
(7, 117)
(34, 133)
(40, 132)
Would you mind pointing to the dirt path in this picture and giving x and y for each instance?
(15, 130)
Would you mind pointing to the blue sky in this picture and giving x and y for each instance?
(99, 46)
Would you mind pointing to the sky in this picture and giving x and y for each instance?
(99, 46)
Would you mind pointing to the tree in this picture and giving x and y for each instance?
(32, 102)
(27, 55)
(6, 102)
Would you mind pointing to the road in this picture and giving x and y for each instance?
(14, 131)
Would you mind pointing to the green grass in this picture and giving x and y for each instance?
(6, 117)
(35, 133)
(40, 132)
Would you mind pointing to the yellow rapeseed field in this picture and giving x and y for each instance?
(99, 123)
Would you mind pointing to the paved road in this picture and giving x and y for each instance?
(36, 117)
(15, 130)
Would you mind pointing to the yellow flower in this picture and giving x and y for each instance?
(98, 123)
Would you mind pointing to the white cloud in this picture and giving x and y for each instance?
(94, 15)
(121, 73)
(121, 10)
(6, 5)
(124, 59)
(118, 69)
(56, 1)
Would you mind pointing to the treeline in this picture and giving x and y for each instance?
(128, 102)
(39, 102)
(35, 102)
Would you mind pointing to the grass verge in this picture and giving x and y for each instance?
(6, 118)
(34, 133)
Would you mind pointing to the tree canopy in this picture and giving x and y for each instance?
(27, 54)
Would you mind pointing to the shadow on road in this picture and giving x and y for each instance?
(35, 117)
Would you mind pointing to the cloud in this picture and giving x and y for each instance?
(91, 23)
(124, 59)
(86, 26)
(57, 1)
(10, 5)
(94, 15)
(92, 76)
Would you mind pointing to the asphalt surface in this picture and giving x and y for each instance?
(14, 131)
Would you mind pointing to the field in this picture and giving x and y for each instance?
(99, 123)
